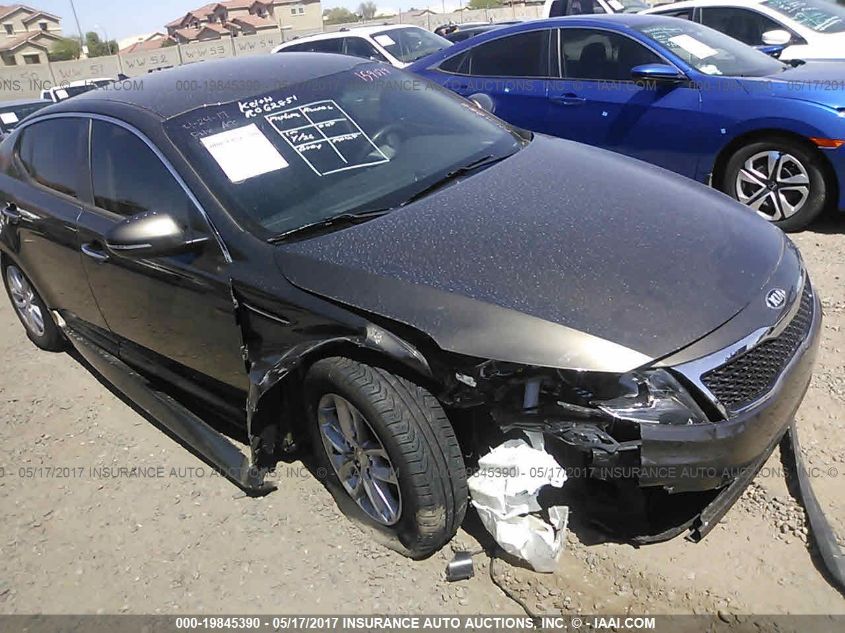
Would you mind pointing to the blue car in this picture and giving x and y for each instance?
(673, 93)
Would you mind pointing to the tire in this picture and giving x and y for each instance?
(750, 179)
(31, 310)
(415, 440)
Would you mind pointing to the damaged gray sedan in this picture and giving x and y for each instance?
(348, 257)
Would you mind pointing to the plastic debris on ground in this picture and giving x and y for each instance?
(504, 493)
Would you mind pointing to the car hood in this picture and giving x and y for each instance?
(815, 81)
(561, 256)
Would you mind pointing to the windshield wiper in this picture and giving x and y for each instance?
(484, 161)
(344, 219)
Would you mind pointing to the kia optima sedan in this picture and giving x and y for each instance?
(347, 255)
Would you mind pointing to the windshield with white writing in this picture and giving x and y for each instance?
(709, 51)
(355, 141)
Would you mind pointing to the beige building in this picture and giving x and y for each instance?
(233, 18)
(27, 34)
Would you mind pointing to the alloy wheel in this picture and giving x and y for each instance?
(23, 298)
(775, 184)
(359, 459)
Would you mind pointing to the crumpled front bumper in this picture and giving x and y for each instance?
(709, 456)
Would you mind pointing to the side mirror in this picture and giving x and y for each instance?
(777, 37)
(658, 72)
(149, 234)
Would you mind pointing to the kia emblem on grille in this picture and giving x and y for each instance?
(776, 298)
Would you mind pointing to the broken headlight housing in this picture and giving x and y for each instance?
(653, 396)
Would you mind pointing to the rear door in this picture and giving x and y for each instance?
(598, 102)
(176, 310)
(41, 200)
(513, 71)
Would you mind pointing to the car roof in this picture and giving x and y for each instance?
(19, 102)
(358, 30)
(705, 3)
(167, 93)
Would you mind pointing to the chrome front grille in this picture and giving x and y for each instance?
(751, 375)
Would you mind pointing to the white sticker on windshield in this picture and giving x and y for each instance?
(244, 153)
(326, 138)
(61, 94)
(693, 46)
(384, 40)
(8, 118)
(616, 5)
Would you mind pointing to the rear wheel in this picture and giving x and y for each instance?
(31, 311)
(781, 179)
(388, 445)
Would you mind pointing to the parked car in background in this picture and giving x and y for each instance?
(803, 29)
(460, 32)
(310, 252)
(74, 88)
(13, 112)
(673, 93)
(397, 45)
(560, 8)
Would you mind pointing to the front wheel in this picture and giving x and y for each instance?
(781, 179)
(389, 445)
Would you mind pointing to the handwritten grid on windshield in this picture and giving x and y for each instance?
(326, 138)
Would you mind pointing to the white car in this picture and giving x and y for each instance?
(559, 8)
(807, 29)
(397, 44)
(68, 90)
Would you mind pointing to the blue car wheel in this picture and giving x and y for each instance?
(782, 180)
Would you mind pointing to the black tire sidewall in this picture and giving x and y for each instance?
(321, 381)
(812, 161)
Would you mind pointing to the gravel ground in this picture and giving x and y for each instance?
(88, 538)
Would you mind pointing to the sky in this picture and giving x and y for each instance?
(124, 18)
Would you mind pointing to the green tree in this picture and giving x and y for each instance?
(338, 15)
(367, 10)
(97, 47)
(484, 4)
(65, 49)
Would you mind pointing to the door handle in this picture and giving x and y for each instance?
(11, 214)
(94, 253)
(568, 99)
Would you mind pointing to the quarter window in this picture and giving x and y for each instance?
(741, 24)
(601, 55)
(520, 55)
(129, 178)
(54, 153)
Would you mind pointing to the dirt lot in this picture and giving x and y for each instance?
(182, 540)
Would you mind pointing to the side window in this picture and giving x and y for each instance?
(359, 47)
(601, 55)
(520, 55)
(585, 7)
(129, 178)
(459, 64)
(741, 24)
(54, 154)
(682, 14)
(334, 45)
(304, 47)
